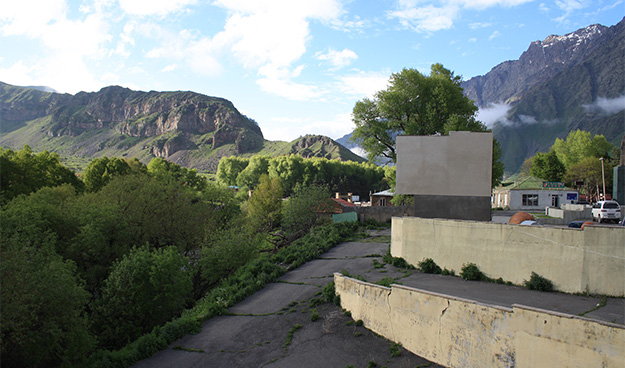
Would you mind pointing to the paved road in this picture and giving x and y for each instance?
(256, 334)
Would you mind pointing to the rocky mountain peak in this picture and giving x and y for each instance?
(508, 81)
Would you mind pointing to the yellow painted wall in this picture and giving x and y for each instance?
(590, 260)
(461, 333)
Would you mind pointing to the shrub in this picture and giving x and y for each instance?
(537, 282)
(396, 261)
(447, 272)
(395, 349)
(314, 315)
(429, 266)
(471, 272)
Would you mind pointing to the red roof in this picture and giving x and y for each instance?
(343, 202)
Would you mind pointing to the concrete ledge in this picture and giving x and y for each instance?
(456, 332)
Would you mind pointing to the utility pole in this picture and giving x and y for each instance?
(603, 177)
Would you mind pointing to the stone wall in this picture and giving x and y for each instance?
(462, 333)
(576, 261)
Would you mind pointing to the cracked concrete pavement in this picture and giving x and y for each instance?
(257, 332)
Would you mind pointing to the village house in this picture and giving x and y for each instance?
(529, 193)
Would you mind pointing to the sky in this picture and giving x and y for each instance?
(295, 67)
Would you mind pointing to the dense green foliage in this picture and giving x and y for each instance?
(577, 158)
(43, 317)
(547, 166)
(293, 170)
(143, 290)
(416, 104)
(110, 267)
(24, 172)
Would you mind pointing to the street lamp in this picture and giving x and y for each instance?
(603, 177)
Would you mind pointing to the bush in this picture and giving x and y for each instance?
(537, 282)
(396, 261)
(471, 272)
(429, 266)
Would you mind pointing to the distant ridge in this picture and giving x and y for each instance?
(188, 128)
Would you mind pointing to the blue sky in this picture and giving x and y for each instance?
(296, 67)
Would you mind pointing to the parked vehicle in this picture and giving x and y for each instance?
(606, 211)
(577, 224)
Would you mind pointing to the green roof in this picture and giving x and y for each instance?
(527, 183)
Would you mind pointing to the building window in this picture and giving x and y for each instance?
(530, 200)
(382, 202)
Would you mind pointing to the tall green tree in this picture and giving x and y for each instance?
(167, 171)
(588, 170)
(43, 321)
(229, 169)
(547, 166)
(265, 205)
(146, 288)
(416, 104)
(250, 176)
(23, 172)
(101, 170)
(579, 145)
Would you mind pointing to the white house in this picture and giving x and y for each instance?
(531, 194)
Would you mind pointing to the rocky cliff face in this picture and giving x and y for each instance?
(135, 114)
(508, 81)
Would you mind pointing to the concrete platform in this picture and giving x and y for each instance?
(257, 334)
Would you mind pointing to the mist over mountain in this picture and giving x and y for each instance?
(560, 84)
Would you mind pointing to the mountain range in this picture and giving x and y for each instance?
(190, 129)
(558, 85)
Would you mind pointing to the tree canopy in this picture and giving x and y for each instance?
(547, 166)
(579, 145)
(416, 104)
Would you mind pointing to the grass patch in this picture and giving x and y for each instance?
(191, 350)
(314, 315)
(395, 349)
(289, 336)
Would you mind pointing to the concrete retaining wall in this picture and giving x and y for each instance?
(590, 260)
(462, 333)
(382, 214)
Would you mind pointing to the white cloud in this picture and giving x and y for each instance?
(494, 35)
(363, 84)
(607, 106)
(335, 127)
(69, 47)
(291, 90)
(479, 25)
(494, 113)
(526, 119)
(18, 17)
(338, 59)
(426, 18)
(154, 7)
(570, 6)
(170, 68)
(270, 36)
(436, 15)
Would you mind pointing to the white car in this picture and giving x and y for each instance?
(606, 211)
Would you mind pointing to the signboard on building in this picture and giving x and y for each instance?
(553, 184)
